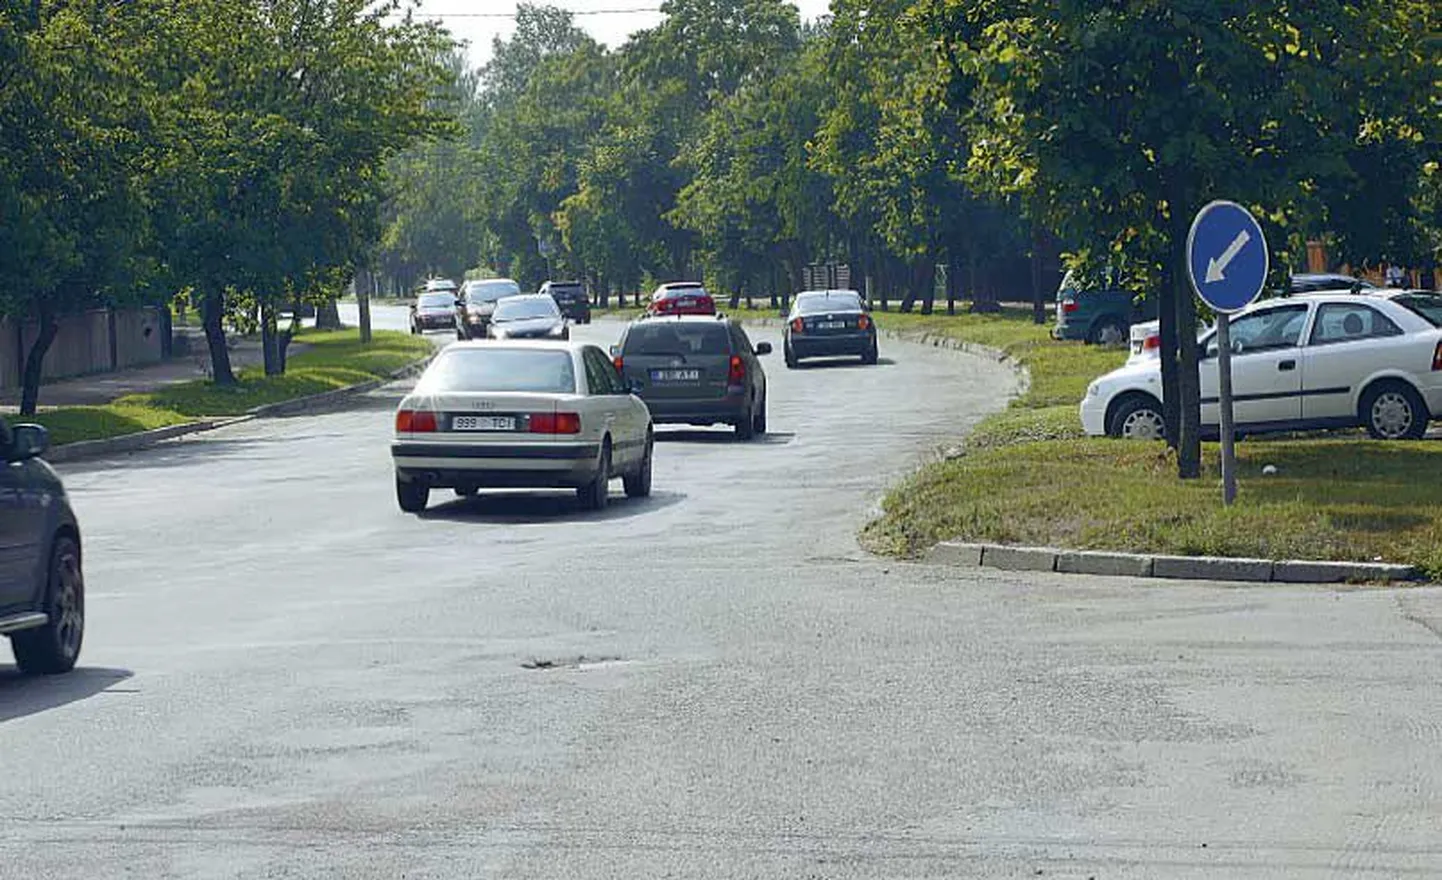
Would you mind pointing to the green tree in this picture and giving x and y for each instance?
(75, 114)
(1118, 120)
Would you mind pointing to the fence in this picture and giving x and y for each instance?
(97, 341)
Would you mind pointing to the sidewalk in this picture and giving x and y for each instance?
(191, 362)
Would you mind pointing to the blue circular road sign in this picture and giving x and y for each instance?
(1227, 256)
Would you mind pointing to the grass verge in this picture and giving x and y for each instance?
(1027, 475)
(333, 360)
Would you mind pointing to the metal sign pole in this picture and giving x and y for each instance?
(1224, 386)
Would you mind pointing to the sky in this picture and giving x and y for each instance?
(478, 22)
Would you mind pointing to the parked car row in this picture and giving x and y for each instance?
(1364, 357)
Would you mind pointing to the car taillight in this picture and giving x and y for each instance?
(1151, 342)
(798, 326)
(737, 375)
(1437, 357)
(555, 423)
(863, 322)
(620, 363)
(1068, 306)
(415, 422)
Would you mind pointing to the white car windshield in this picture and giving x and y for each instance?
(491, 291)
(523, 309)
(539, 371)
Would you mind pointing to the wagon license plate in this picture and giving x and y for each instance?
(483, 423)
(830, 325)
(675, 375)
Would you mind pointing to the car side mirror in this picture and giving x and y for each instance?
(615, 351)
(763, 348)
(28, 441)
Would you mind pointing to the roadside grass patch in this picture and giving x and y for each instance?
(1352, 500)
(76, 423)
(333, 359)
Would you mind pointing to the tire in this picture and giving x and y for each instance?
(758, 419)
(872, 355)
(54, 647)
(597, 493)
(1137, 417)
(791, 361)
(460, 335)
(1108, 331)
(638, 483)
(1393, 411)
(746, 425)
(412, 496)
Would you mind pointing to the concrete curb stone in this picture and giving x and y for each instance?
(1212, 568)
(146, 439)
(1095, 562)
(1019, 558)
(1203, 568)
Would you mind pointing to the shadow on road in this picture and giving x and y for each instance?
(725, 437)
(519, 508)
(843, 363)
(22, 695)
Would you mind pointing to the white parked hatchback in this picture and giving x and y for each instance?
(1329, 360)
(530, 414)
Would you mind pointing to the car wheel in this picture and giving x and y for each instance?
(758, 421)
(638, 483)
(746, 425)
(54, 647)
(872, 355)
(597, 493)
(1394, 411)
(1108, 332)
(413, 495)
(791, 361)
(460, 335)
(1138, 418)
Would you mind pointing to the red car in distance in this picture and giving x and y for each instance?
(681, 298)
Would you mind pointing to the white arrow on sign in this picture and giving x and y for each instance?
(1217, 267)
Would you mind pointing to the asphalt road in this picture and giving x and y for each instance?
(284, 676)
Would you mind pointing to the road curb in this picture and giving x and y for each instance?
(146, 439)
(137, 441)
(961, 554)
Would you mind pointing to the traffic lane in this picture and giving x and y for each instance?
(284, 626)
(711, 683)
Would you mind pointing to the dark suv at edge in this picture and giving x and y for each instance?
(696, 370)
(42, 591)
(571, 297)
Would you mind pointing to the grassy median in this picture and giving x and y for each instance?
(1028, 476)
(333, 359)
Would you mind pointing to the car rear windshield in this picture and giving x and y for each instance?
(437, 300)
(500, 369)
(1429, 306)
(827, 302)
(567, 291)
(677, 339)
(521, 309)
(492, 291)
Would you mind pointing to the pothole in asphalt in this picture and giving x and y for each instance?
(578, 662)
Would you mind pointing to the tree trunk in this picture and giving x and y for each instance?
(1189, 442)
(926, 285)
(327, 316)
(212, 310)
(35, 364)
(1189, 416)
(1038, 296)
(363, 301)
(269, 343)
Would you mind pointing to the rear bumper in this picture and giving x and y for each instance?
(562, 465)
(729, 410)
(834, 345)
(435, 322)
